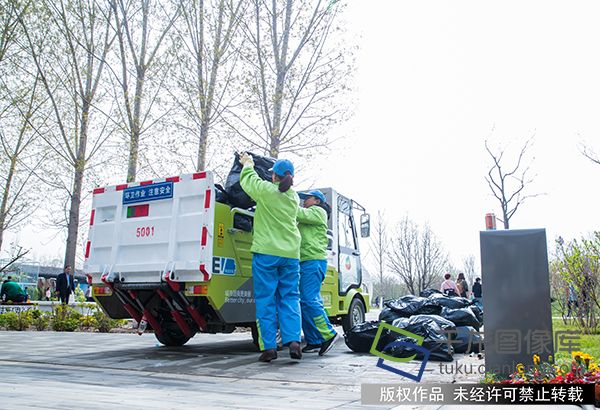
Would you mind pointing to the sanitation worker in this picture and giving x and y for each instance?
(312, 222)
(275, 259)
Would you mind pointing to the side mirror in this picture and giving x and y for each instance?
(365, 225)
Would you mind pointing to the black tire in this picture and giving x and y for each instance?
(171, 335)
(355, 316)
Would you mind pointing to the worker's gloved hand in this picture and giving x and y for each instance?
(246, 160)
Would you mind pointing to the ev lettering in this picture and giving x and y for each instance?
(223, 266)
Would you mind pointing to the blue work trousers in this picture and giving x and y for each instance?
(277, 299)
(315, 323)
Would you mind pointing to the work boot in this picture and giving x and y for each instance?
(326, 346)
(311, 348)
(268, 355)
(295, 352)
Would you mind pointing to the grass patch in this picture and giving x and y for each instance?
(589, 344)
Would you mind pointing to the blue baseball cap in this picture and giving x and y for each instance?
(282, 166)
(316, 193)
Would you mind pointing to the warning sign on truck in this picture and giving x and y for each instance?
(145, 193)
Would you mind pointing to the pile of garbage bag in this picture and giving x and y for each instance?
(448, 325)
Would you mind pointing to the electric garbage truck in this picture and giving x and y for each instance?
(169, 255)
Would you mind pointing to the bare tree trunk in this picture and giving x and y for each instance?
(134, 144)
(5, 196)
(75, 204)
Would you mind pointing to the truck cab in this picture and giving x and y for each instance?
(172, 255)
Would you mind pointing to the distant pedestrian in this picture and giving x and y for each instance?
(448, 287)
(65, 285)
(572, 303)
(477, 292)
(462, 285)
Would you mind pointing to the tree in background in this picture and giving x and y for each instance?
(579, 265)
(68, 42)
(508, 182)
(379, 247)
(141, 28)
(207, 46)
(416, 256)
(297, 73)
(20, 153)
(469, 270)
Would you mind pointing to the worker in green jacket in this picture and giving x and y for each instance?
(12, 291)
(275, 259)
(312, 222)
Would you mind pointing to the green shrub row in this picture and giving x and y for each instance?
(62, 319)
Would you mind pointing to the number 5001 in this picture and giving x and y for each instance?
(144, 231)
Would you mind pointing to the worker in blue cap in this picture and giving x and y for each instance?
(275, 259)
(312, 222)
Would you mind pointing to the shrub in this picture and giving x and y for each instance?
(2, 320)
(79, 295)
(41, 322)
(88, 322)
(104, 324)
(65, 318)
(17, 320)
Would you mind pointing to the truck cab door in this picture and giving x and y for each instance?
(350, 269)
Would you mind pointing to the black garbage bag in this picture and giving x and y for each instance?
(478, 313)
(221, 194)
(461, 317)
(447, 301)
(420, 324)
(428, 292)
(408, 306)
(388, 315)
(465, 339)
(435, 338)
(235, 194)
(360, 338)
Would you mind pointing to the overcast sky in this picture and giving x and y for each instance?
(435, 79)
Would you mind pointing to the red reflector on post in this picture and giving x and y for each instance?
(207, 199)
(137, 211)
(92, 217)
(204, 236)
(87, 249)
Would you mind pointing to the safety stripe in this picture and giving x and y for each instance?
(92, 217)
(261, 344)
(324, 328)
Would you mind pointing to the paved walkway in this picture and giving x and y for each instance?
(93, 370)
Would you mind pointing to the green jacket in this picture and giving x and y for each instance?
(312, 222)
(12, 289)
(275, 228)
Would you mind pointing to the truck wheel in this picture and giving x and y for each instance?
(355, 316)
(171, 335)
